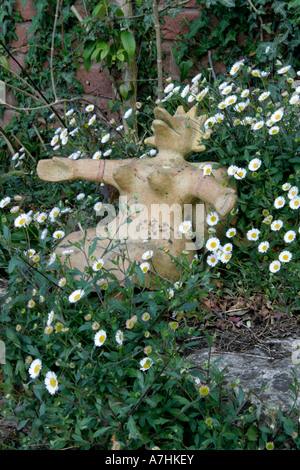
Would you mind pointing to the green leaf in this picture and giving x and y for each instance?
(132, 428)
(128, 42)
(123, 91)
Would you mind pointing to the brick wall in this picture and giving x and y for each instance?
(96, 83)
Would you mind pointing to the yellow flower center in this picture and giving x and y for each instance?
(102, 339)
(22, 221)
(36, 369)
(290, 237)
(147, 364)
(285, 257)
(213, 218)
(52, 382)
(253, 235)
(276, 266)
(213, 244)
(213, 260)
(77, 297)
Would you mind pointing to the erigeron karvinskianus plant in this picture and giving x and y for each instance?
(252, 128)
(163, 181)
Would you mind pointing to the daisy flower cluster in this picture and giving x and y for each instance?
(255, 113)
(50, 380)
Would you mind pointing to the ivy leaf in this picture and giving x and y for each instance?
(128, 42)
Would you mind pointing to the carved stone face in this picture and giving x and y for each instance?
(180, 132)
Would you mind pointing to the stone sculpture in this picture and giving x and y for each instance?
(149, 182)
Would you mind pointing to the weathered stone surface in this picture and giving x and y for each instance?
(269, 379)
(150, 184)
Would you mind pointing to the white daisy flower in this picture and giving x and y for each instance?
(92, 120)
(105, 138)
(279, 202)
(276, 225)
(253, 234)
(232, 169)
(62, 282)
(35, 368)
(225, 257)
(228, 247)
(185, 226)
(255, 73)
(270, 122)
(54, 140)
(80, 196)
(170, 293)
(273, 130)
(284, 69)
(285, 256)
(196, 79)
(21, 220)
(44, 234)
(212, 244)
(207, 169)
(58, 234)
(51, 382)
(98, 206)
(239, 107)
(263, 246)
(70, 112)
(254, 164)
(293, 191)
(226, 90)
(277, 115)
(236, 67)
(294, 99)
(212, 218)
(245, 93)
(230, 100)
(63, 134)
(108, 152)
(231, 232)
(286, 186)
(89, 108)
(99, 338)
(222, 105)
(258, 125)
(264, 96)
(119, 337)
(168, 88)
(295, 203)
(212, 260)
(185, 91)
(275, 266)
(54, 213)
(5, 201)
(145, 267)
(76, 295)
(240, 173)
(146, 363)
(98, 264)
(209, 122)
(97, 155)
(50, 318)
(219, 117)
(147, 255)
(128, 113)
(42, 216)
(289, 236)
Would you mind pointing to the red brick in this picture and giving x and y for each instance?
(95, 81)
(7, 116)
(22, 33)
(14, 67)
(28, 11)
(173, 27)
